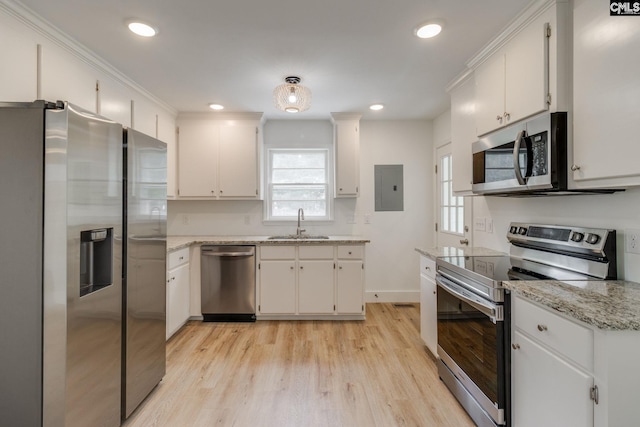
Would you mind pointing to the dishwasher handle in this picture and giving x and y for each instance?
(227, 254)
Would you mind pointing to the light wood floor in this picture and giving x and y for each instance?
(302, 373)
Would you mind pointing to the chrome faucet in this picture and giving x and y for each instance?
(299, 230)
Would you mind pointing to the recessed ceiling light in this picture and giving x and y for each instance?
(429, 29)
(142, 29)
(376, 107)
(216, 107)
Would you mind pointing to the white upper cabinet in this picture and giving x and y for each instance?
(463, 133)
(347, 154)
(522, 72)
(218, 159)
(606, 97)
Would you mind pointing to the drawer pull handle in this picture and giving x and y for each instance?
(542, 328)
(515, 346)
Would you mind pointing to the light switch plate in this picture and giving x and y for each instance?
(489, 225)
(479, 224)
(632, 241)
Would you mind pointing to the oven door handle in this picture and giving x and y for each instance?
(492, 311)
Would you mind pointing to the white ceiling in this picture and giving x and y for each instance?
(350, 53)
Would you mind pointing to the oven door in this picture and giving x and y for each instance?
(471, 344)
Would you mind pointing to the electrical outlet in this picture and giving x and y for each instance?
(489, 225)
(479, 224)
(632, 241)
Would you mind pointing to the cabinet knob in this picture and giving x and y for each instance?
(301, 267)
(427, 268)
(575, 168)
(340, 267)
(291, 267)
(349, 252)
(507, 116)
(499, 118)
(340, 189)
(434, 292)
(515, 346)
(542, 328)
(221, 191)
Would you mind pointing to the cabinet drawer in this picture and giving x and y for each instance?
(427, 267)
(351, 252)
(561, 335)
(278, 252)
(177, 258)
(315, 252)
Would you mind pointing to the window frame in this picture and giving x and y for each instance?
(268, 199)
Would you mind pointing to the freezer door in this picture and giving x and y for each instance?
(83, 268)
(145, 278)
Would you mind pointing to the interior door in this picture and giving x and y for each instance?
(453, 213)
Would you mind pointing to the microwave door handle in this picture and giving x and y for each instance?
(516, 157)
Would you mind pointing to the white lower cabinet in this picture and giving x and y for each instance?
(566, 373)
(178, 290)
(310, 280)
(548, 391)
(428, 304)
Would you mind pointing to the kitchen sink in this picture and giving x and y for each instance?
(298, 237)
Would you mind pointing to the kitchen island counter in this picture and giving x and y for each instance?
(178, 242)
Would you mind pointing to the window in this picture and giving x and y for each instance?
(298, 178)
(452, 207)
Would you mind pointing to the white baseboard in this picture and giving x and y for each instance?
(392, 296)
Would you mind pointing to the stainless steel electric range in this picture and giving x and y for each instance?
(473, 307)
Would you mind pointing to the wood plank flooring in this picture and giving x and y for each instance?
(302, 373)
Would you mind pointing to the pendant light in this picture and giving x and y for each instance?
(292, 97)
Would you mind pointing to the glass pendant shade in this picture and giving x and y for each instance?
(291, 96)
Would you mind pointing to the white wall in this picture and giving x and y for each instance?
(391, 263)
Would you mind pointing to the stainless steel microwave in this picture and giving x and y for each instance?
(528, 157)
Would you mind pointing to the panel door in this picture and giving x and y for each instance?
(490, 93)
(347, 161)
(316, 287)
(527, 72)
(238, 176)
(350, 288)
(428, 313)
(198, 159)
(546, 390)
(277, 287)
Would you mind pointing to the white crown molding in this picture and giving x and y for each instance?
(531, 12)
(47, 30)
(219, 115)
(459, 79)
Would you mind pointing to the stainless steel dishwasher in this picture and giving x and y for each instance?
(228, 281)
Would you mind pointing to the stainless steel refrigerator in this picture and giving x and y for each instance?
(145, 267)
(60, 258)
(82, 315)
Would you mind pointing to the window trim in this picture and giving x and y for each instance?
(267, 215)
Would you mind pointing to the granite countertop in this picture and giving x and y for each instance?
(607, 305)
(454, 251)
(179, 242)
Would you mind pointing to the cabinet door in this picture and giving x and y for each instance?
(489, 94)
(277, 287)
(177, 298)
(546, 390)
(350, 289)
(198, 158)
(463, 134)
(428, 313)
(238, 170)
(527, 72)
(315, 287)
(606, 96)
(347, 158)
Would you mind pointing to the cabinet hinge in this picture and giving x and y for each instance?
(594, 394)
(256, 191)
(256, 130)
(334, 265)
(436, 167)
(548, 31)
(258, 266)
(548, 99)
(357, 190)
(436, 226)
(363, 265)
(362, 307)
(178, 191)
(334, 307)
(258, 307)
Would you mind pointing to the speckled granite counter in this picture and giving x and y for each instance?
(178, 242)
(453, 251)
(608, 305)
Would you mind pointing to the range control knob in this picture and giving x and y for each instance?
(513, 229)
(592, 238)
(577, 237)
(522, 231)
